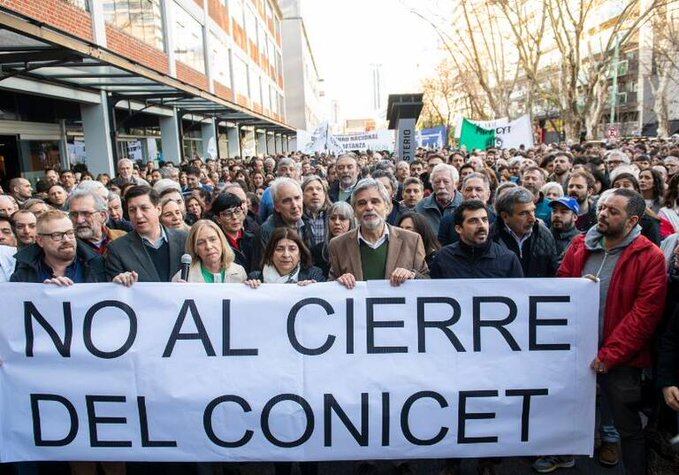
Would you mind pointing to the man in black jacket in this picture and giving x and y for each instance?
(474, 255)
(518, 230)
(57, 257)
(564, 214)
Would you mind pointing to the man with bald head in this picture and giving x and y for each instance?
(288, 211)
(21, 189)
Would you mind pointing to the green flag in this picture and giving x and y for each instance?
(475, 137)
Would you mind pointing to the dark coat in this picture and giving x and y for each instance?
(321, 257)
(540, 256)
(305, 273)
(460, 261)
(563, 239)
(333, 192)
(274, 221)
(428, 208)
(28, 262)
(129, 254)
(249, 255)
(448, 235)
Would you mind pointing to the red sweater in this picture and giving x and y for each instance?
(635, 300)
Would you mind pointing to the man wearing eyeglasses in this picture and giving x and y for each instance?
(89, 213)
(57, 257)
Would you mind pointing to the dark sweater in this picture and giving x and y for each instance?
(161, 260)
(374, 261)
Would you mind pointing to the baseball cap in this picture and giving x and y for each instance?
(568, 202)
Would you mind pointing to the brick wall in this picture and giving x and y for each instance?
(220, 14)
(136, 50)
(223, 91)
(56, 13)
(191, 76)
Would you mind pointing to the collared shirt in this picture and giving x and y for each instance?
(235, 242)
(317, 227)
(519, 240)
(161, 240)
(379, 242)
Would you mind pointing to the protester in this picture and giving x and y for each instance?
(7, 237)
(444, 198)
(418, 224)
(8, 205)
(24, 227)
(564, 214)
(669, 213)
(475, 186)
(375, 250)
(518, 230)
(347, 176)
(57, 257)
(286, 260)
(632, 285)
(89, 213)
(316, 203)
(7, 261)
(340, 219)
(413, 192)
(212, 260)
(171, 215)
(126, 176)
(227, 211)
(56, 196)
(36, 206)
(20, 189)
(150, 253)
(581, 186)
(288, 211)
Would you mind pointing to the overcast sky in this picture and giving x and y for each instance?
(347, 36)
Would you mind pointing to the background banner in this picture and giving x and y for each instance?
(436, 137)
(190, 372)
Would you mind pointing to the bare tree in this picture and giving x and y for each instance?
(663, 67)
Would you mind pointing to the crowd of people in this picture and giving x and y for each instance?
(607, 212)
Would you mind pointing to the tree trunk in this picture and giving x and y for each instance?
(660, 105)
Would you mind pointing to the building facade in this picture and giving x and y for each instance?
(93, 81)
(305, 101)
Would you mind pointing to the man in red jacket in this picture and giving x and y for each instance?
(633, 283)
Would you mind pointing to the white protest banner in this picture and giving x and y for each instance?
(321, 140)
(515, 133)
(191, 372)
(373, 140)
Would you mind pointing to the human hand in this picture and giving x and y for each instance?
(400, 275)
(348, 280)
(671, 395)
(253, 283)
(598, 366)
(62, 281)
(126, 278)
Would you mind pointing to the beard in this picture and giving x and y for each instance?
(372, 224)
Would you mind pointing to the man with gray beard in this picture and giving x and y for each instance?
(88, 212)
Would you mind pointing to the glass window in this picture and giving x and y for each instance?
(266, 96)
(219, 57)
(188, 41)
(255, 88)
(240, 77)
(251, 25)
(139, 18)
(261, 35)
(271, 50)
(236, 9)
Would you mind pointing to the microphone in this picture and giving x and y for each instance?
(185, 264)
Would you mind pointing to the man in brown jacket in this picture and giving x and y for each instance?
(89, 212)
(375, 250)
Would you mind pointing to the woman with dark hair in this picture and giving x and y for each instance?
(195, 209)
(669, 213)
(649, 222)
(418, 224)
(652, 188)
(286, 260)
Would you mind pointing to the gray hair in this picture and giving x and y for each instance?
(114, 196)
(510, 198)
(384, 173)
(100, 204)
(93, 186)
(165, 184)
(445, 168)
(124, 161)
(281, 181)
(552, 185)
(165, 172)
(311, 178)
(343, 209)
(617, 153)
(367, 183)
(478, 176)
(286, 162)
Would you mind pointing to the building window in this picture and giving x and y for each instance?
(240, 77)
(251, 25)
(255, 90)
(142, 19)
(188, 40)
(236, 10)
(83, 4)
(220, 64)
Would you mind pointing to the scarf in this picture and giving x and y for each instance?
(271, 276)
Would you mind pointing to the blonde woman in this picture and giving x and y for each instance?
(212, 258)
(171, 215)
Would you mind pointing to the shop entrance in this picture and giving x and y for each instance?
(9, 159)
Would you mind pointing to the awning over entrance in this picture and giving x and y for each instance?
(32, 50)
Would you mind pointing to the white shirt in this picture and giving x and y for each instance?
(7, 262)
(379, 242)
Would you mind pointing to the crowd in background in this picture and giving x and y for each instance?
(607, 212)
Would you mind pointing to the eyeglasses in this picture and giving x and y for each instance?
(229, 213)
(84, 214)
(59, 236)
